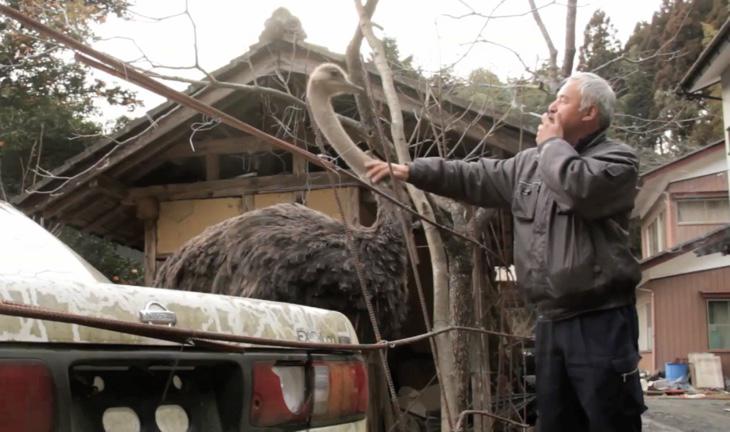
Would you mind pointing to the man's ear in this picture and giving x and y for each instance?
(591, 113)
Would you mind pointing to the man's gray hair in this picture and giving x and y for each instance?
(596, 91)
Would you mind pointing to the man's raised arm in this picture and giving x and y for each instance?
(486, 183)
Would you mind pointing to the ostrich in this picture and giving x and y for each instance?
(291, 253)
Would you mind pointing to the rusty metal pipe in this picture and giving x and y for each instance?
(213, 339)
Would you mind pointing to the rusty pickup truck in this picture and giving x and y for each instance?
(57, 376)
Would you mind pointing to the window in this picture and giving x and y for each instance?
(715, 210)
(655, 236)
(645, 327)
(718, 324)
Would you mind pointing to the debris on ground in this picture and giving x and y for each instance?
(706, 370)
(701, 378)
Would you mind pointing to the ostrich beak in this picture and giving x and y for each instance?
(349, 86)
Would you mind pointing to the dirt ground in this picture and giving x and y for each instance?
(686, 415)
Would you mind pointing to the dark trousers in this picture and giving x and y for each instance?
(587, 373)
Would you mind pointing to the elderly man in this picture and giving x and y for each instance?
(570, 197)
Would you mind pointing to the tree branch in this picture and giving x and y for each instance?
(569, 38)
(473, 12)
(553, 66)
(358, 75)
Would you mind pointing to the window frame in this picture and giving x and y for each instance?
(704, 199)
(659, 221)
(646, 326)
(722, 299)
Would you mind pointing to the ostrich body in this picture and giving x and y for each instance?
(291, 253)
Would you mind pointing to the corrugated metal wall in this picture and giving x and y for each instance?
(680, 321)
(709, 183)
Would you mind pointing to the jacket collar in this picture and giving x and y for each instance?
(591, 140)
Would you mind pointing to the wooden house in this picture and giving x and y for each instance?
(683, 300)
(166, 177)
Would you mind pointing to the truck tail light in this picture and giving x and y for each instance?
(279, 395)
(314, 393)
(26, 397)
(340, 390)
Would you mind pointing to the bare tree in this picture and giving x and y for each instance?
(555, 74)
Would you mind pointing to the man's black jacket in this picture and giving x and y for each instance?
(571, 209)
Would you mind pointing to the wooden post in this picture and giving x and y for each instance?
(212, 167)
(299, 168)
(148, 210)
(150, 251)
(247, 203)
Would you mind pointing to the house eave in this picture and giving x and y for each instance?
(695, 245)
(655, 181)
(711, 63)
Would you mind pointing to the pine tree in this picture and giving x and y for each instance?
(652, 116)
(600, 47)
(45, 98)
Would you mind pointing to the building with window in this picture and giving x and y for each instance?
(683, 300)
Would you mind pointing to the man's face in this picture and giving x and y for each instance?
(567, 104)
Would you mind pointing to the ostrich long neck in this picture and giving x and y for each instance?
(325, 117)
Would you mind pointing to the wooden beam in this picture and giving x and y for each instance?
(219, 146)
(148, 208)
(237, 187)
(59, 208)
(180, 148)
(109, 187)
(142, 163)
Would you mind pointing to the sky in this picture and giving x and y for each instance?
(429, 30)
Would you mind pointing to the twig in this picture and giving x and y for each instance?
(459, 424)
(473, 12)
(553, 66)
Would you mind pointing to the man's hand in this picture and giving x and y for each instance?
(378, 170)
(551, 127)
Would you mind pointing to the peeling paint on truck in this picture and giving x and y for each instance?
(195, 311)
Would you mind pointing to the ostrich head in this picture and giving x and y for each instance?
(329, 80)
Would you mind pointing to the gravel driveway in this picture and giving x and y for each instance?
(686, 415)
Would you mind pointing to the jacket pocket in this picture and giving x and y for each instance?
(524, 200)
(571, 261)
(620, 267)
(631, 397)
